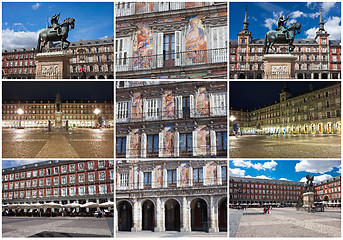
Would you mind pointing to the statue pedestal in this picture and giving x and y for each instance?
(53, 65)
(58, 122)
(308, 201)
(279, 66)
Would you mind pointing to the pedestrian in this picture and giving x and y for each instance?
(268, 209)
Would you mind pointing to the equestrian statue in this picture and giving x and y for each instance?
(308, 185)
(56, 32)
(282, 35)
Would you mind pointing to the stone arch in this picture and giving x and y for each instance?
(172, 214)
(222, 214)
(101, 77)
(125, 216)
(199, 208)
(148, 214)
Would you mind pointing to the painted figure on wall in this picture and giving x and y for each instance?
(144, 7)
(132, 180)
(168, 105)
(211, 173)
(203, 140)
(202, 103)
(136, 107)
(194, 4)
(184, 174)
(196, 41)
(159, 177)
(168, 142)
(143, 46)
(135, 142)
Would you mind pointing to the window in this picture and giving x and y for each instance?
(197, 175)
(11, 185)
(81, 190)
(186, 143)
(123, 111)
(71, 191)
(224, 174)
(48, 192)
(56, 170)
(152, 109)
(72, 168)
(34, 193)
(72, 179)
(41, 182)
(28, 174)
(56, 181)
(218, 105)
(124, 180)
(147, 179)
(48, 171)
(91, 177)
(56, 192)
(101, 164)
(121, 145)
(41, 193)
(171, 177)
(64, 179)
(22, 194)
(102, 176)
(122, 46)
(28, 184)
(81, 166)
(221, 138)
(17, 176)
(81, 177)
(112, 175)
(34, 173)
(153, 144)
(12, 176)
(22, 184)
(22, 174)
(41, 172)
(169, 47)
(90, 165)
(34, 183)
(102, 189)
(48, 181)
(63, 192)
(186, 107)
(64, 168)
(28, 194)
(91, 190)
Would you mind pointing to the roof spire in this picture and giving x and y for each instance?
(245, 23)
(321, 23)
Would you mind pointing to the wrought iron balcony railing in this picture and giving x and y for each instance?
(170, 60)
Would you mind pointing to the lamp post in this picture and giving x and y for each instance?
(232, 118)
(20, 112)
(96, 112)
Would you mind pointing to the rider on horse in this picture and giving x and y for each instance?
(281, 25)
(54, 22)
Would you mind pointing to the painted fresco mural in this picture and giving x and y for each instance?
(202, 103)
(194, 4)
(163, 20)
(221, 14)
(159, 177)
(168, 141)
(203, 140)
(144, 7)
(136, 107)
(184, 174)
(135, 142)
(132, 174)
(211, 173)
(196, 41)
(143, 46)
(168, 105)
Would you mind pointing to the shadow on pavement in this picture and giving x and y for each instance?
(62, 234)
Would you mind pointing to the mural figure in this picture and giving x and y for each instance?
(196, 41)
(211, 173)
(136, 107)
(168, 105)
(168, 142)
(202, 103)
(159, 177)
(143, 46)
(184, 174)
(135, 142)
(144, 7)
(194, 4)
(203, 140)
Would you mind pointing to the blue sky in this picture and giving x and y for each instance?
(263, 16)
(92, 20)
(14, 163)
(294, 170)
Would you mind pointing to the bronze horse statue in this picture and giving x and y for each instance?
(50, 34)
(273, 37)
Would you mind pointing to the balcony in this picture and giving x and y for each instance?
(173, 60)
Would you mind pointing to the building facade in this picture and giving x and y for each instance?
(171, 40)
(171, 195)
(162, 119)
(92, 59)
(318, 58)
(315, 111)
(38, 113)
(329, 191)
(59, 181)
(252, 191)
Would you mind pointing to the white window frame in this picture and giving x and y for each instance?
(151, 109)
(100, 179)
(123, 111)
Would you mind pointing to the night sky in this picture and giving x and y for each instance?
(47, 90)
(254, 94)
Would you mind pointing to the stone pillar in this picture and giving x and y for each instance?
(137, 216)
(165, 178)
(213, 217)
(77, 209)
(185, 223)
(160, 226)
(53, 65)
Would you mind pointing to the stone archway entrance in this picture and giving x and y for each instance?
(172, 215)
(222, 215)
(148, 215)
(124, 216)
(199, 216)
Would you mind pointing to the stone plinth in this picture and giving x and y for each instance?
(58, 120)
(54, 65)
(279, 66)
(308, 201)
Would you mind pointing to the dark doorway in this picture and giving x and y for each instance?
(172, 215)
(124, 216)
(324, 76)
(222, 215)
(316, 76)
(241, 76)
(199, 215)
(148, 211)
(300, 76)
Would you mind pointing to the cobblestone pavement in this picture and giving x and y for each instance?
(286, 222)
(171, 234)
(39, 143)
(285, 146)
(57, 226)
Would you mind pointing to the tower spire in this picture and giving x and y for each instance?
(245, 23)
(321, 23)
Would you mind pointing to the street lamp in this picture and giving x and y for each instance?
(20, 112)
(96, 112)
(232, 118)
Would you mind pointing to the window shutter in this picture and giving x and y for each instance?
(143, 145)
(175, 5)
(195, 144)
(204, 175)
(160, 144)
(191, 105)
(176, 144)
(212, 105)
(219, 175)
(128, 138)
(153, 178)
(178, 106)
(160, 49)
(178, 48)
(145, 110)
(213, 142)
(132, 8)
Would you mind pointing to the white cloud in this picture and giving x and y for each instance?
(236, 172)
(285, 179)
(326, 6)
(296, 14)
(36, 6)
(258, 166)
(104, 37)
(311, 33)
(17, 24)
(318, 179)
(262, 177)
(21, 39)
(270, 22)
(332, 26)
(316, 166)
